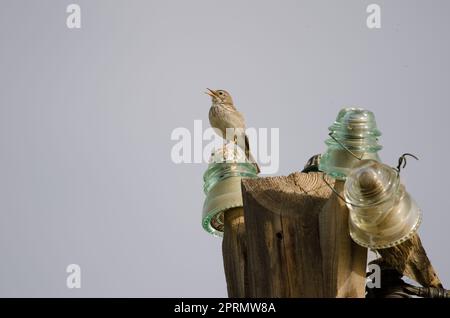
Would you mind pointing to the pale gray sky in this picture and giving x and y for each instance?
(86, 117)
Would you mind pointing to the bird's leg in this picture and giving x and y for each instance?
(225, 151)
(235, 140)
(235, 146)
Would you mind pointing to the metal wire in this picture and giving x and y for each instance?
(401, 165)
(339, 195)
(345, 147)
(402, 161)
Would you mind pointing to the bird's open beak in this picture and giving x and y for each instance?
(211, 93)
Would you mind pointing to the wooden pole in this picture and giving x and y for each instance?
(234, 250)
(410, 259)
(344, 262)
(297, 240)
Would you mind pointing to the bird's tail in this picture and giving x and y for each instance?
(249, 156)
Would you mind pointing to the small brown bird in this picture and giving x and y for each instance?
(222, 115)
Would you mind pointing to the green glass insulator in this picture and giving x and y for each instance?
(356, 132)
(222, 186)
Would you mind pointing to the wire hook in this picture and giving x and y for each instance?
(402, 161)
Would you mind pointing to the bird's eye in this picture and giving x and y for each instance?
(220, 93)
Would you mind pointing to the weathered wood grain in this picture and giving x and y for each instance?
(343, 261)
(289, 222)
(410, 259)
(234, 251)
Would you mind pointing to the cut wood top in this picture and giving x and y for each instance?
(284, 194)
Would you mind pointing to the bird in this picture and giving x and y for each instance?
(222, 115)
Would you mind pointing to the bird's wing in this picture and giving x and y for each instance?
(223, 119)
(237, 120)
